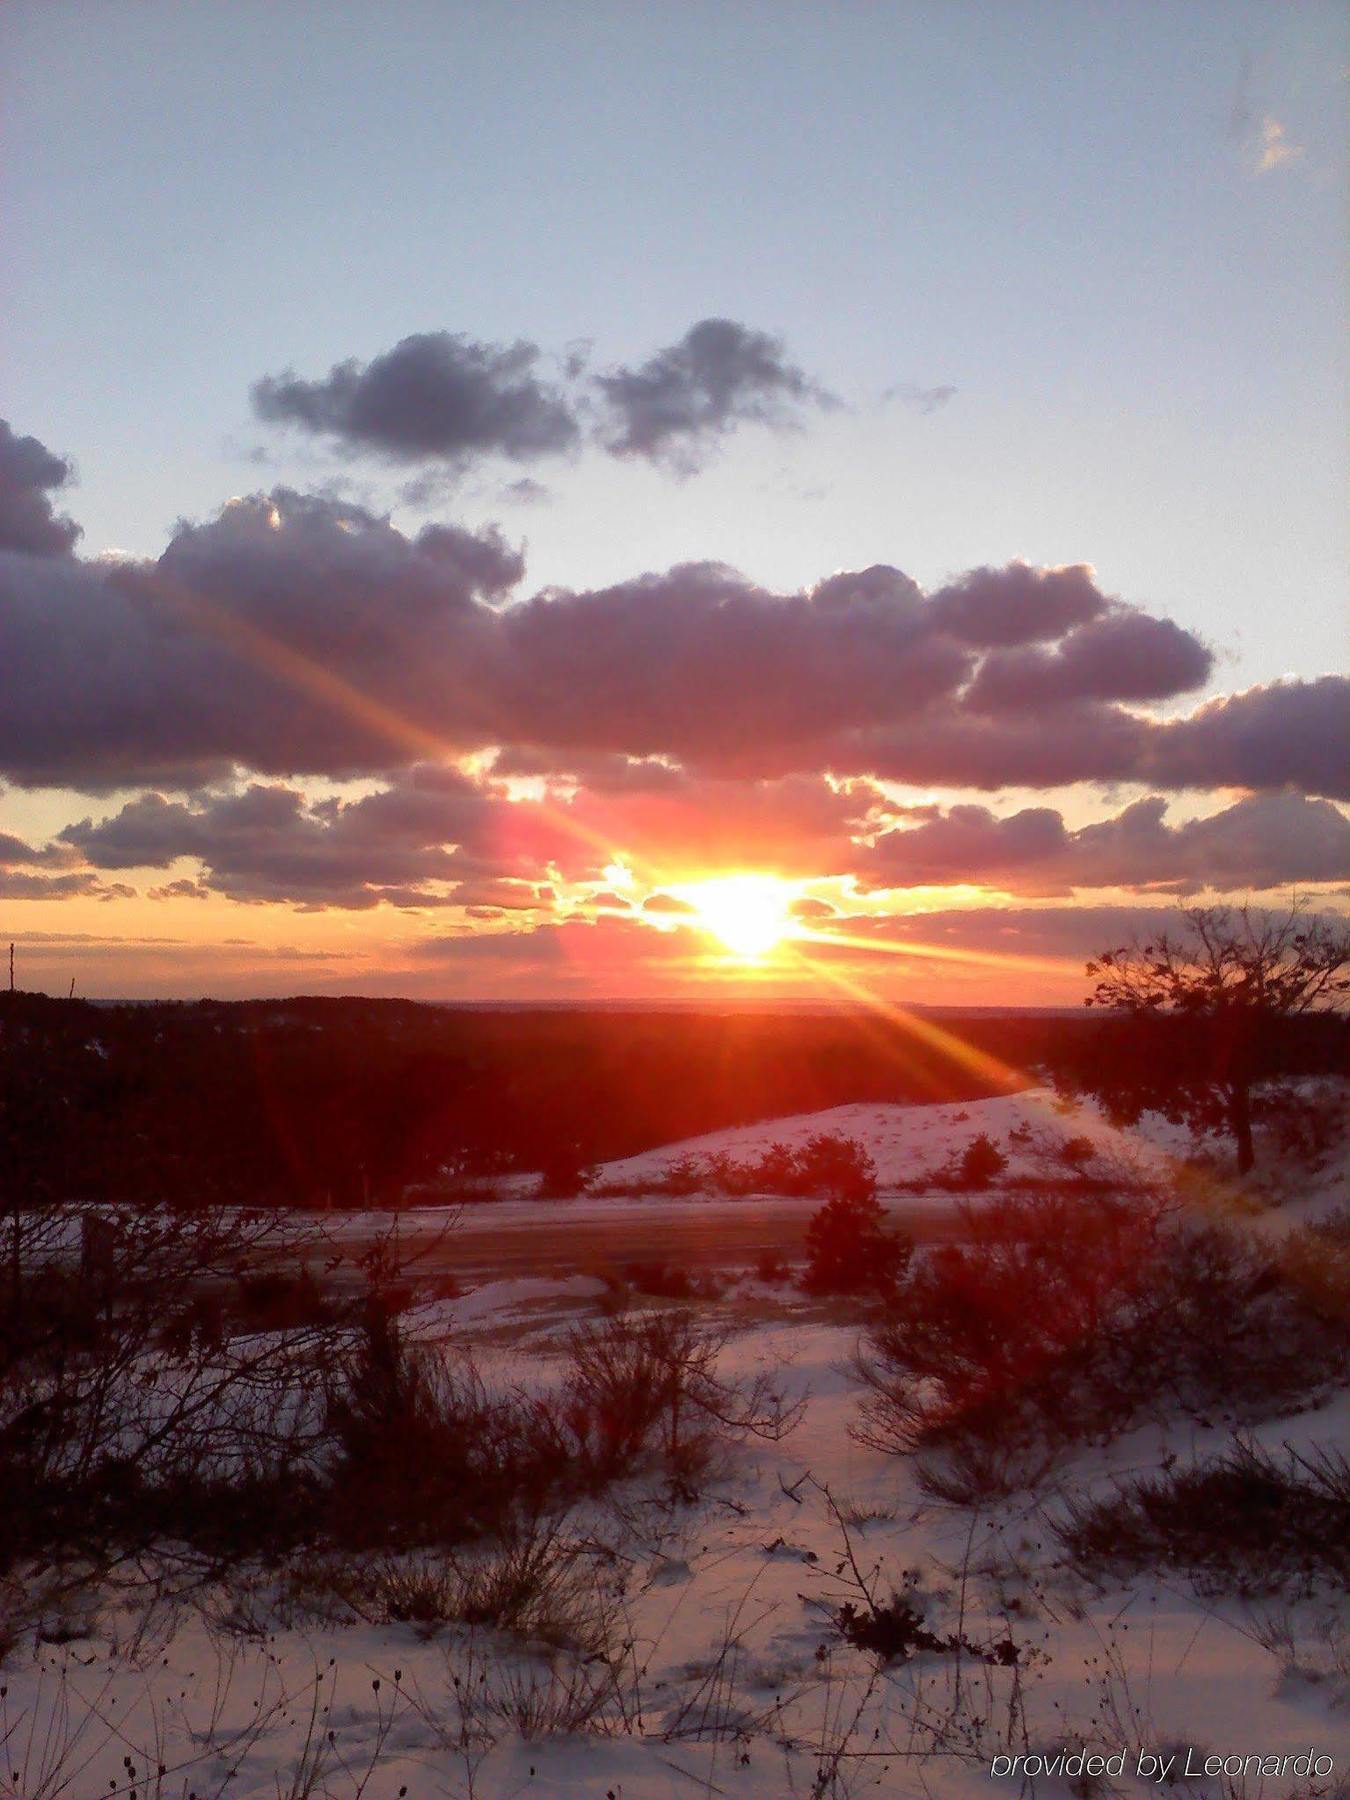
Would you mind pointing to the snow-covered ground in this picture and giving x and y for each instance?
(907, 1141)
(734, 1682)
(726, 1606)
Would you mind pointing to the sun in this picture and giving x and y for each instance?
(748, 913)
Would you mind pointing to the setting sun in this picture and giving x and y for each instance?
(748, 913)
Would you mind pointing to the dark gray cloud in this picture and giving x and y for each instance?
(1123, 655)
(21, 884)
(812, 910)
(1286, 733)
(445, 400)
(271, 843)
(577, 952)
(674, 407)
(435, 838)
(24, 873)
(622, 952)
(1263, 841)
(29, 475)
(953, 747)
(700, 664)
(1292, 734)
(298, 634)
(289, 634)
(15, 852)
(437, 395)
(1019, 604)
(1072, 931)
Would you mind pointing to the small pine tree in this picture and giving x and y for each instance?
(981, 1162)
(850, 1251)
(838, 1166)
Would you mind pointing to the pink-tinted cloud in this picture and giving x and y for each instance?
(1264, 841)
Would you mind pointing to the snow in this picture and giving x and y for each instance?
(759, 1568)
(727, 1601)
(910, 1141)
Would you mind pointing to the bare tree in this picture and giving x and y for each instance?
(1209, 1012)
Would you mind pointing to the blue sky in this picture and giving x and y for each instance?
(1045, 206)
(1106, 241)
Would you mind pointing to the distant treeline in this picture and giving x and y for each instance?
(343, 1102)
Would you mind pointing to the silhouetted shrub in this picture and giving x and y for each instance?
(1247, 1520)
(827, 1164)
(1077, 1152)
(664, 1281)
(1059, 1319)
(981, 1162)
(770, 1268)
(849, 1249)
(835, 1166)
(283, 1299)
(566, 1172)
(424, 1453)
(1315, 1263)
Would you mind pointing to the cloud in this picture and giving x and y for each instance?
(403, 845)
(1124, 655)
(444, 400)
(19, 884)
(299, 634)
(1274, 149)
(1263, 841)
(922, 399)
(667, 903)
(609, 953)
(15, 851)
(698, 663)
(183, 889)
(525, 492)
(433, 837)
(437, 395)
(1018, 604)
(1073, 932)
(675, 406)
(29, 474)
(1283, 734)
(1264, 140)
(436, 838)
(23, 873)
(800, 824)
(291, 633)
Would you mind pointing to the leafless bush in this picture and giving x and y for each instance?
(126, 1386)
(162, 1379)
(559, 1694)
(1246, 1520)
(537, 1584)
(645, 1384)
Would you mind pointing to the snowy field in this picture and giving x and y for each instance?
(722, 1671)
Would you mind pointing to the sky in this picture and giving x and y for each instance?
(533, 501)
